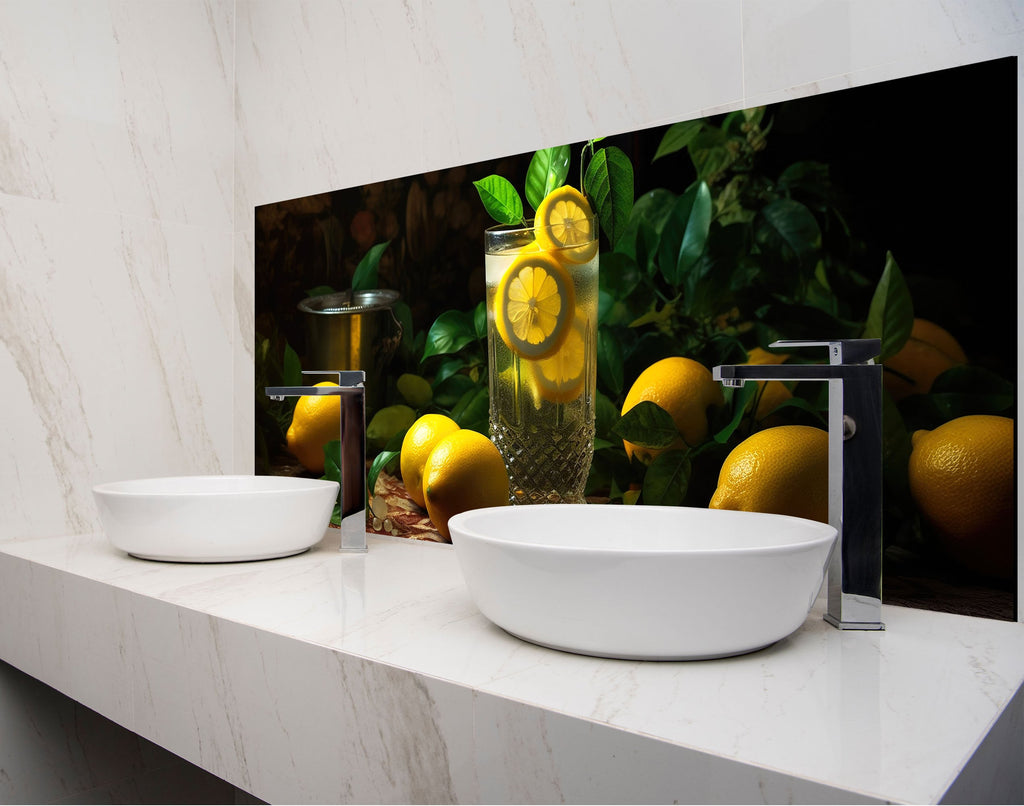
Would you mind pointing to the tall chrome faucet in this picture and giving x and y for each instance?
(854, 469)
(351, 389)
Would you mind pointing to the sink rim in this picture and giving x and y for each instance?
(826, 532)
(263, 485)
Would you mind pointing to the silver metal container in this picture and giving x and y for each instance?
(354, 330)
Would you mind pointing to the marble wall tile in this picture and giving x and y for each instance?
(810, 46)
(116, 307)
(115, 339)
(119, 106)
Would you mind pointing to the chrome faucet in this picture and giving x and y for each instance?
(854, 469)
(352, 490)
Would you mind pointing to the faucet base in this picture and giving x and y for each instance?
(853, 625)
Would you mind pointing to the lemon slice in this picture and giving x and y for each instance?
(534, 305)
(560, 377)
(565, 223)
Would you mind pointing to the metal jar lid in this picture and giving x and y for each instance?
(350, 302)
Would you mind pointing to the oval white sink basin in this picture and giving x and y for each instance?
(651, 583)
(209, 519)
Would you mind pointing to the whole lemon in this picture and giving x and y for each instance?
(387, 422)
(685, 389)
(464, 471)
(781, 470)
(419, 441)
(315, 422)
(961, 478)
(929, 352)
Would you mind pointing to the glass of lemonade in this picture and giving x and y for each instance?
(542, 288)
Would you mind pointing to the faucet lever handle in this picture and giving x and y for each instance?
(344, 377)
(840, 351)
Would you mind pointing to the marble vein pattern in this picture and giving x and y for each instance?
(116, 312)
(385, 658)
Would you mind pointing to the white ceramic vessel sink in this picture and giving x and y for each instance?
(652, 583)
(215, 518)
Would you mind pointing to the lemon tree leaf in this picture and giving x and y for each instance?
(667, 479)
(610, 361)
(685, 233)
(365, 277)
(608, 184)
(472, 409)
(480, 321)
(740, 399)
(451, 331)
(500, 199)
(291, 370)
(648, 425)
(785, 224)
(891, 313)
(678, 137)
(380, 462)
(548, 170)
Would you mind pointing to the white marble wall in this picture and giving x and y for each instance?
(136, 136)
(116, 306)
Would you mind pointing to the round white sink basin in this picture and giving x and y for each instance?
(652, 583)
(215, 518)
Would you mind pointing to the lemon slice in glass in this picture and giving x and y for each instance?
(566, 225)
(559, 378)
(534, 305)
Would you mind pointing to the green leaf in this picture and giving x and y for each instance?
(667, 479)
(606, 414)
(741, 398)
(319, 290)
(648, 425)
(365, 277)
(448, 392)
(450, 332)
(685, 234)
(891, 313)
(500, 199)
(678, 137)
(480, 321)
(548, 170)
(472, 409)
(291, 371)
(609, 185)
(609, 360)
(787, 224)
(381, 461)
(332, 450)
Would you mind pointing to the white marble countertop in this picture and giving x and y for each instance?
(372, 678)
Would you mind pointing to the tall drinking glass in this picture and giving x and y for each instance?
(541, 339)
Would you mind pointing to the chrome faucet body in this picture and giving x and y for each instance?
(854, 587)
(351, 389)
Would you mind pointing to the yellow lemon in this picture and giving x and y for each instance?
(315, 422)
(464, 471)
(929, 352)
(685, 389)
(961, 478)
(560, 377)
(566, 225)
(771, 394)
(758, 355)
(534, 305)
(386, 423)
(421, 438)
(781, 470)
